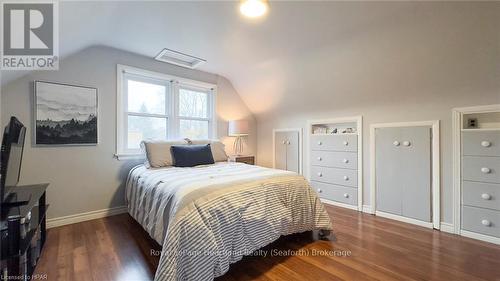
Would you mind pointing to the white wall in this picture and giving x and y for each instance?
(88, 178)
(411, 66)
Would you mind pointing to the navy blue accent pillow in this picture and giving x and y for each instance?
(191, 155)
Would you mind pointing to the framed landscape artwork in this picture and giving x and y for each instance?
(65, 114)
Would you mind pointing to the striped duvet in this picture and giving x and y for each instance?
(209, 217)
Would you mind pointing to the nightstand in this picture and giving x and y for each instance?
(250, 160)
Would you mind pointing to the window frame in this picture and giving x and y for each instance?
(173, 84)
(177, 86)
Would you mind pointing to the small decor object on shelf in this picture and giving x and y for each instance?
(65, 114)
(471, 123)
(238, 129)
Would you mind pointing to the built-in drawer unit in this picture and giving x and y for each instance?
(481, 143)
(333, 153)
(335, 176)
(481, 168)
(481, 220)
(484, 195)
(335, 159)
(480, 173)
(342, 194)
(334, 142)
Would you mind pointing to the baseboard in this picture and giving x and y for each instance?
(367, 209)
(404, 219)
(92, 215)
(447, 227)
(338, 204)
(486, 238)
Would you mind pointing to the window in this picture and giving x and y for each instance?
(157, 106)
(193, 113)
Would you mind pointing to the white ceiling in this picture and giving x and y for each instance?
(261, 57)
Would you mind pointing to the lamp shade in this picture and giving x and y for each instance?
(238, 128)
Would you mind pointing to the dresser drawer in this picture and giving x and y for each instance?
(347, 160)
(481, 143)
(335, 176)
(480, 220)
(484, 195)
(480, 168)
(343, 194)
(335, 142)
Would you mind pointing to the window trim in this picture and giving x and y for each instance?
(173, 119)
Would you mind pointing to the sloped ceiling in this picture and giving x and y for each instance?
(280, 56)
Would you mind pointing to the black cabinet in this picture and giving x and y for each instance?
(23, 233)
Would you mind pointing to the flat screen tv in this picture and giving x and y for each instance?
(11, 157)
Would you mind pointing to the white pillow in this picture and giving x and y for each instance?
(158, 152)
(217, 147)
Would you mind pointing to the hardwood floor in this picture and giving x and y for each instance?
(366, 248)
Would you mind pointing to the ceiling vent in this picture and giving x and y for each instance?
(178, 58)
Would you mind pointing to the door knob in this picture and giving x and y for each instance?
(486, 222)
(346, 142)
(396, 143)
(319, 190)
(284, 142)
(485, 143)
(320, 143)
(406, 143)
(346, 178)
(288, 142)
(320, 174)
(345, 161)
(346, 195)
(485, 170)
(486, 196)
(319, 158)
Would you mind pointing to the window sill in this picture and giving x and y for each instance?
(128, 156)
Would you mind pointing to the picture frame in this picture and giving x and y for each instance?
(65, 114)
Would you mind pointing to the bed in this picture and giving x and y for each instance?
(208, 217)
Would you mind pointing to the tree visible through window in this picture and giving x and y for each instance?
(193, 114)
(147, 112)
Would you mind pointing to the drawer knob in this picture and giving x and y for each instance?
(486, 222)
(486, 196)
(320, 174)
(406, 143)
(320, 143)
(396, 143)
(284, 142)
(346, 195)
(485, 143)
(319, 158)
(346, 178)
(485, 170)
(288, 142)
(319, 190)
(346, 142)
(345, 161)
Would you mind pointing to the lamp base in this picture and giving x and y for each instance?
(238, 146)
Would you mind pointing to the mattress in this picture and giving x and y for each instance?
(208, 217)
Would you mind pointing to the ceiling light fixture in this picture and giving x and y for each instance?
(254, 8)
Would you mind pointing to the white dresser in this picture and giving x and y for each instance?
(478, 172)
(335, 161)
(481, 181)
